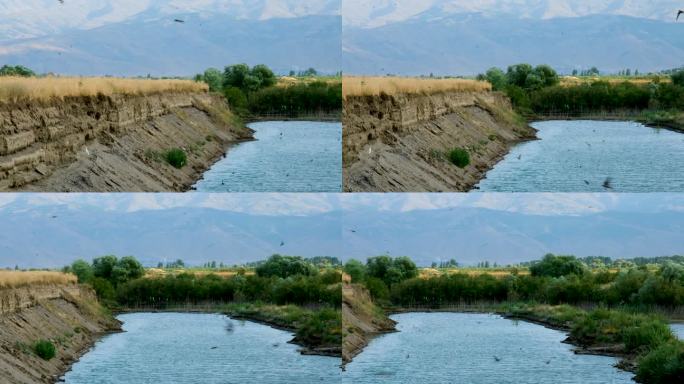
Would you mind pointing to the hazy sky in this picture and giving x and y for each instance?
(50, 230)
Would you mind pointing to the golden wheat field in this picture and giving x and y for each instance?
(374, 86)
(13, 279)
(44, 88)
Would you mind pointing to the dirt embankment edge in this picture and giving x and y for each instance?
(400, 143)
(113, 143)
(69, 316)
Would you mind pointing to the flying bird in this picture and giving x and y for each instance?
(179, 21)
(679, 14)
(282, 243)
(608, 183)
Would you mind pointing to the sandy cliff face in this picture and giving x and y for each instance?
(112, 143)
(397, 143)
(361, 320)
(69, 316)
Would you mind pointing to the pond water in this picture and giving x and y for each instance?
(287, 156)
(476, 348)
(579, 156)
(198, 348)
(678, 330)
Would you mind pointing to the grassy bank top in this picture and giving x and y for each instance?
(16, 279)
(13, 89)
(374, 86)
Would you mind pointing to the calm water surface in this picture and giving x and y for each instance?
(678, 329)
(464, 348)
(578, 156)
(287, 156)
(199, 348)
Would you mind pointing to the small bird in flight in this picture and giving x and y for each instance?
(179, 21)
(679, 14)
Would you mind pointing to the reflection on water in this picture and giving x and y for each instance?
(288, 156)
(579, 156)
(476, 348)
(180, 348)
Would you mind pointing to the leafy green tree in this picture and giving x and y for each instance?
(214, 78)
(127, 268)
(517, 74)
(548, 75)
(390, 270)
(17, 70)
(103, 266)
(82, 270)
(497, 78)
(235, 76)
(266, 77)
(678, 78)
(285, 266)
(557, 266)
(356, 270)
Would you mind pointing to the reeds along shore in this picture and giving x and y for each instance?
(13, 89)
(374, 86)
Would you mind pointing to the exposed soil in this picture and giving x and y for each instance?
(361, 321)
(68, 316)
(113, 144)
(399, 143)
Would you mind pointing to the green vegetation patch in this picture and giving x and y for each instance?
(459, 157)
(176, 157)
(44, 349)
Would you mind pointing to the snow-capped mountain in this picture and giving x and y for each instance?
(139, 37)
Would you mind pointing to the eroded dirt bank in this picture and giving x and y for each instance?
(69, 316)
(113, 143)
(361, 321)
(398, 143)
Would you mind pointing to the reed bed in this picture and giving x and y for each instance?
(15, 89)
(374, 86)
(14, 279)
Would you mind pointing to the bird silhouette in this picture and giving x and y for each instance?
(679, 14)
(179, 21)
(608, 183)
(282, 243)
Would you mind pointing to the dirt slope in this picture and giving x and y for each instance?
(69, 316)
(113, 143)
(361, 320)
(398, 143)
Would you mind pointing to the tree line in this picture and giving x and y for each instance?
(280, 280)
(254, 91)
(538, 90)
(552, 280)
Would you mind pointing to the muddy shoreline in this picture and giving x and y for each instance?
(627, 362)
(304, 350)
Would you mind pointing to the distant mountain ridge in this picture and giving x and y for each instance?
(282, 34)
(53, 236)
(470, 43)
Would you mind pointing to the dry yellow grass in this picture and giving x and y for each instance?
(568, 81)
(14, 279)
(374, 86)
(43, 88)
(431, 272)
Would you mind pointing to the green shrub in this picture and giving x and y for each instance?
(459, 157)
(664, 364)
(44, 349)
(647, 334)
(176, 157)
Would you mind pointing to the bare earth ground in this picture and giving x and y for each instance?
(399, 143)
(113, 143)
(66, 315)
(361, 321)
